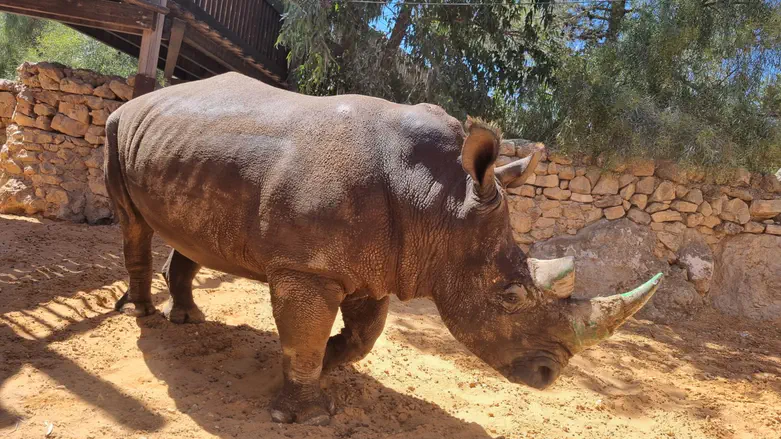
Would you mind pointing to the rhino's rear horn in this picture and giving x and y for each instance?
(553, 276)
(516, 173)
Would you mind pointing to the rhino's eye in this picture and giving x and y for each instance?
(513, 298)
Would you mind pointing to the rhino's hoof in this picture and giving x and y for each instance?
(183, 315)
(313, 414)
(138, 309)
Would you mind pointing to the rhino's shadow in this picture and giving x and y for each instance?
(224, 377)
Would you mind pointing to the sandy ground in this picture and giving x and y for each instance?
(68, 360)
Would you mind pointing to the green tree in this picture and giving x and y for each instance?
(17, 34)
(461, 57)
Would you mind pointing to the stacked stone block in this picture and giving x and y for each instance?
(51, 161)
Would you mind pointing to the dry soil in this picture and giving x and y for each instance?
(72, 366)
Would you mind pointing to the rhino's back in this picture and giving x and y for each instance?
(235, 173)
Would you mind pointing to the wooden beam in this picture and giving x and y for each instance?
(103, 14)
(174, 45)
(147, 56)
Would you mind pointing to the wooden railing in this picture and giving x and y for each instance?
(255, 22)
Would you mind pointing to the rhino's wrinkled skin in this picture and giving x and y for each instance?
(337, 202)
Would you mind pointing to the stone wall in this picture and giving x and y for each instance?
(52, 150)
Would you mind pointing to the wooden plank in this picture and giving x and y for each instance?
(148, 54)
(174, 45)
(279, 69)
(93, 13)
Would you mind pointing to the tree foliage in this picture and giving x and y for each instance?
(460, 57)
(28, 39)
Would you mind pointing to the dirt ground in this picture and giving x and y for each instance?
(70, 364)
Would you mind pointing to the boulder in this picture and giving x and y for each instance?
(616, 256)
(546, 181)
(684, 206)
(639, 200)
(580, 198)
(16, 197)
(608, 201)
(639, 216)
(747, 280)
(666, 216)
(614, 212)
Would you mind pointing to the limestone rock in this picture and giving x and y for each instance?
(64, 124)
(773, 229)
(608, 201)
(694, 219)
(593, 174)
(639, 216)
(628, 190)
(711, 221)
(666, 215)
(16, 197)
(754, 227)
(747, 280)
(657, 207)
(580, 185)
(694, 196)
(735, 210)
(546, 181)
(665, 192)
(626, 179)
(566, 172)
(555, 193)
(7, 104)
(607, 185)
(729, 228)
(525, 190)
(121, 89)
(614, 212)
(580, 198)
(743, 194)
(646, 185)
(74, 86)
(77, 112)
(684, 206)
(639, 200)
(104, 92)
(520, 223)
(765, 209)
(705, 209)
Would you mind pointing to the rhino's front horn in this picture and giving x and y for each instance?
(595, 320)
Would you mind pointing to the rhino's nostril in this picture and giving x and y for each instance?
(546, 374)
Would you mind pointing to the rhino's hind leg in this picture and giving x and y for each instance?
(179, 272)
(364, 320)
(305, 308)
(137, 247)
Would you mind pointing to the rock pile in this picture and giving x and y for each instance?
(52, 155)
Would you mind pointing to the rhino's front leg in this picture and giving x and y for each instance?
(305, 307)
(364, 320)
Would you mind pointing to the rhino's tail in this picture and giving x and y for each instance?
(112, 170)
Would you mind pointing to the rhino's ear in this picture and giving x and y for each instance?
(516, 173)
(479, 153)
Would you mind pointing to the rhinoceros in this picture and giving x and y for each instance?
(338, 203)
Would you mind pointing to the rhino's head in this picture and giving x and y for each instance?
(517, 313)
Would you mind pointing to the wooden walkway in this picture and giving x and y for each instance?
(187, 39)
